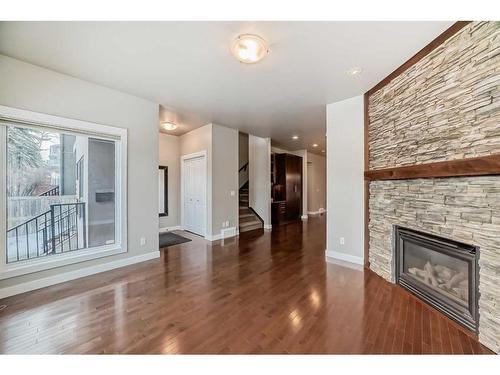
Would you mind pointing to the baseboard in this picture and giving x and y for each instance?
(228, 232)
(220, 236)
(320, 211)
(304, 217)
(213, 238)
(344, 257)
(72, 275)
(169, 229)
(268, 227)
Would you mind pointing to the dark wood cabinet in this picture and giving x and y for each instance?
(288, 185)
(278, 212)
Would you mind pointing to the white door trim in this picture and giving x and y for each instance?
(195, 155)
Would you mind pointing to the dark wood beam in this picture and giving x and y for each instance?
(367, 184)
(440, 39)
(478, 166)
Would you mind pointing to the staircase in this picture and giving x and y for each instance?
(248, 219)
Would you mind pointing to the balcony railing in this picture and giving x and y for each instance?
(50, 192)
(58, 230)
(21, 209)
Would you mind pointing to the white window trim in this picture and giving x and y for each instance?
(75, 127)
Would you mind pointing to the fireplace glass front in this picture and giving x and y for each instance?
(440, 271)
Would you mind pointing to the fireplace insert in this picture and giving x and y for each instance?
(442, 272)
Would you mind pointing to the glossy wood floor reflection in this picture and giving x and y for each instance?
(263, 293)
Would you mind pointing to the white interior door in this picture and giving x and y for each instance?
(195, 195)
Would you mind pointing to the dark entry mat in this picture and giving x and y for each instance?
(170, 239)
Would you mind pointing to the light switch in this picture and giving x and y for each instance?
(233, 193)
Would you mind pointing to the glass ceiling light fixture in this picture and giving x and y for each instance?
(168, 126)
(249, 48)
(295, 137)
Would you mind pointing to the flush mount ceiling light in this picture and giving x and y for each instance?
(295, 137)
(168, 126)
(355, 71)
(249, 48)
(315, 145)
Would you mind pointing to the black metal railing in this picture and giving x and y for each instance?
(51, 192)
(59, 230)
(244, 167)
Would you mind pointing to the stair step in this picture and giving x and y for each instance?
(248, 228)
(250, 223)
(249, 219)
(249, 214)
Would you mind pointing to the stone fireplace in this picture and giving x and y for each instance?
(464, 209)
(441, 109)
(440, 271)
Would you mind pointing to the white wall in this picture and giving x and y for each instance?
(169, 155)
(221, 144)
(33, 88)
(345, 183)
(316, 182)
(259, 187)
(224, 178)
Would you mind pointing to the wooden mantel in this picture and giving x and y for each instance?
(478, 166)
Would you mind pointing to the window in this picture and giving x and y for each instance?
(64, 192)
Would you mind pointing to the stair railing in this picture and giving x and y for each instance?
(244, 167)
(243, 175)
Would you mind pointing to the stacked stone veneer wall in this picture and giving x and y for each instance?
(446, 106)
(463, 209)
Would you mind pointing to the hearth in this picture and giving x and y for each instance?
(442, 272)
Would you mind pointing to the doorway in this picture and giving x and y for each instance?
(194, 193)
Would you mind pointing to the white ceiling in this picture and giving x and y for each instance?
(187, 67)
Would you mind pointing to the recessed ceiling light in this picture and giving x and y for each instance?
(355, 71)
(168, 126)
(315, 145)
(295, 137)
(249, 48)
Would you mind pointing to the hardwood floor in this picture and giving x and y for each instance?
(261, 293)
